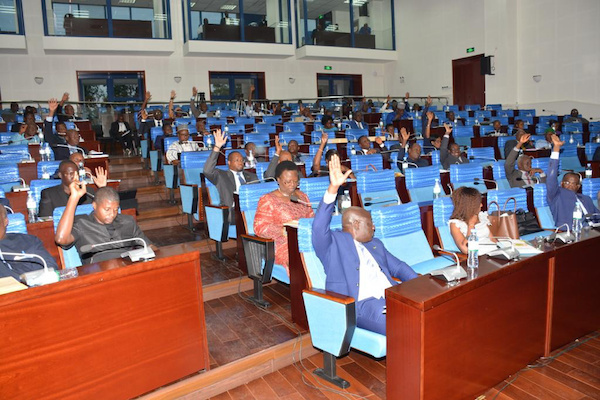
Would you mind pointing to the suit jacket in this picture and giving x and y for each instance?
(355, 125)
(513, 175)
(114, 130)
(224, 180)
(420, 162)
(62, 152)
(337, 252)
(561, 200)
(55, 196)
(145, 127)
(446, 158)
(51, 138)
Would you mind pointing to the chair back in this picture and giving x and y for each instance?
(9, 176)
(577, 138)
(472, 107)
(259, 139)
(261, 167)
(264, 128)
(590, 187)
(36, 186)
(353, 134)
(294, 127)
(590, 149)
(506, 113)
(482, 154)
(442, 211)
(50, 167)
(500, 196)
(285, 137)
(314, 188)
(526, 113)
(542, 163)
(236, 128)
(272, 119)
(500, 175)
(249, 195)
(483, 115)
(155, 132)
(502, 142)
(569, 158)
(244, 120)
(465, 174)
(572, 127)
(70, 257)
(462, 135)
(5, 137)
(192, 164)
(377, 189)
(315, 136)
(496, 107)
(542, 208)
(420, 183)
(594, 126)
(451, 107)
(366, 162)
(169, 140)
(16, 223)
(210, 121)
(484, 129)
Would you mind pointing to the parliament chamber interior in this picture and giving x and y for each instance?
(201, 199)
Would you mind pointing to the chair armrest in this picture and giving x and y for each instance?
(331, 296)
(257, 238)
(214, 206)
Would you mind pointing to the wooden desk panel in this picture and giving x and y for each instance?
(454, 343)
(576, 297)
(119, 328)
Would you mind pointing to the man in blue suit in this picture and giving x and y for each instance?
(562, 198)
(356, 264)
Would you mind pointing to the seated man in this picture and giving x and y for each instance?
(160, 139)
(227, 182)
(61, 129)
(413, 156)
(562, 198)
(317, 168)
(510, 144)
(258, 154)
(28, 133)
(365, 146)
(357, 122)
(20, 243)
(294, 150)
(68, 113)
(497, 129)
(574, 117)
(524, 176)
(450, 154)
(104, 224)
(356, 264)
(202, 110)
(57, 196)
(519, 125)
(279, 156)
(63, 151)
(184, 144)
(452, 119)
(121, 131)
(545, 143)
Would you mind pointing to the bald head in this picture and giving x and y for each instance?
(358, 223)
(285, 156)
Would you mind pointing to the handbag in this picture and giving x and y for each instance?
(503, 223)
(527, 222)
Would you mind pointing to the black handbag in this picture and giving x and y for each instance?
(527, 222)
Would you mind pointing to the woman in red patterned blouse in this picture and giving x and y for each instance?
(276, 208)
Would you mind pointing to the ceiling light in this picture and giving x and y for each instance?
(228, 7)
(127, 1)
(7, 10)
(192, 4)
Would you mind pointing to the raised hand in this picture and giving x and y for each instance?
(252, 88)
(556, 142)
(278, 146)
(173, 95)
(428, 102)
(404, 135)
(336, 176)
(65, 97)
(534, 171)
(324, 138)
(148, 96)
(448, 128)
(101, 177)
(220, 139)
(524, 138)
(52, 105)
(407, 95)
(194, 91)
(78, 189)
(430, 117)
(144, 114)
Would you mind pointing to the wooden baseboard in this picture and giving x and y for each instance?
(222, 289)
(211, 383)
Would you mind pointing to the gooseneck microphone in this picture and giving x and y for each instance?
(452, 273)
(295, 199)
(481, 181)
(145, 253)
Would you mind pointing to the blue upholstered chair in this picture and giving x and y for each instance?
(506, 113)
(442, 210)
(294, 127)
(572, 127)
(542, 208)
(192, 164)
(483, 155)
(496, 107)
(170, 172)
(590, 187)
(482, 115)
(235, 128)
(314, 188)
(210, 121)
(462, 135)
(50, 167)
(502, 142)
(569, 158)
(315, 136)
(9, 176)
(451, 107)
(576, 138)
(69, 258)
(590, 149)
(264, 128)
(472, 107)
(272, 119)
(259, 139)
(155, 132)
(526, 113)
(36, 186)
(21, 149)
(420, 183)
(462, 114)
(377, 189)
(16, 223)
(353, 134)
(217, 217)
(332, 319)
(465, 175)
(484, 129)
(500, 175)
(366, 162)
(244, 120)
(285, 137)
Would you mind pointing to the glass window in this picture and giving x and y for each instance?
(11, 19)
(129, 19)
(222, 20)
(364, 23)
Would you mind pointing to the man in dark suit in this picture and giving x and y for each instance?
(355, 263)
(121, 131)
(450, 154)
(57, 196)
(524, 176)
(227, 182)
(510, 144)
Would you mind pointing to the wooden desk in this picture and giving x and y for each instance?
(456, 342)
(119, 328)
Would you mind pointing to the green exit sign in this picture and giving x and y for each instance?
(470, 49)
(327, 68)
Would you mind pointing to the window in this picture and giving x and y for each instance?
(102, 87)
(108, 18)
(236, 85)
(339, 85)
(11, 17)
(365, 24)
(238, 20)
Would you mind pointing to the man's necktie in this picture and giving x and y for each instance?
(241, 178)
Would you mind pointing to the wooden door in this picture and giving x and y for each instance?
(467, 81)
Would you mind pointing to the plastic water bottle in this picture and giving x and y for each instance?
(476, 121)
(588, 170)
(251, 162)
(209, 142)
(322, 110)
(350, 116)
(67, 273)
(218, 113)
(31, 208)
(577, 220)
(353, 151)
(598, 138)
(226, 130)
(571, 140)
(455, 121)
(381, 125)
(81, 172)
(45, 174)
(345, 201)
(473, 250)
(437, 189)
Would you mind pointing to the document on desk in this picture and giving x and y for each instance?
(524, 248)
(10, 284)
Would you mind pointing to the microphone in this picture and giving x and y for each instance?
(452, 273)
(537, 180)
(261, 180)
(564, 237)
(482, 158)
(295, 199)
(405, 164)
(22, 187)
(37, 277)
(13, 211)
(450, 187)
(588, 217)
(478, 181)
(388, 200)
(144, 253)
(70, 147)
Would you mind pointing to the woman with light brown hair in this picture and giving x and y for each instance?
(467, 215)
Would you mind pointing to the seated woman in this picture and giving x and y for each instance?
(276, 208)
(467, 215)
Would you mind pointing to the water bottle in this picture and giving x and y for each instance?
(476, 121)
(31, 208)
(81, 172)
(588, 170)
(571, 140)
(67, 273)
(577, 220)
(251, 162)
(455, 121)
(353, 151)
(381, 125)
(45, 174)
(209, 142)
(322, 110)
(345, 201)
(598, 138)
(473, 250)
(437, 189)
(226, 130)
(350, 116)
(218, 113)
